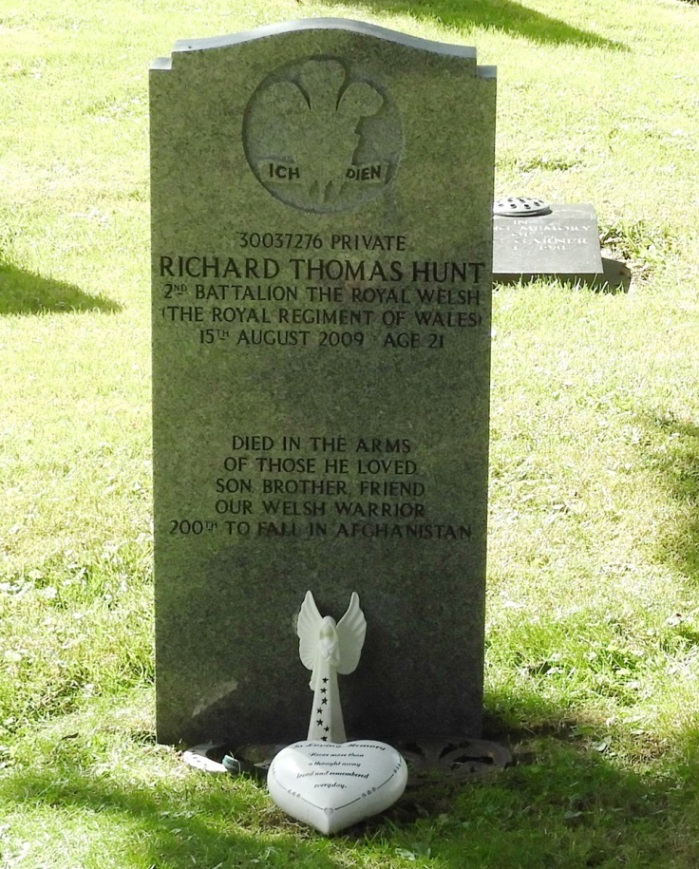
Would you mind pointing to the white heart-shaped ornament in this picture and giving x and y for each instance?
(333, 785)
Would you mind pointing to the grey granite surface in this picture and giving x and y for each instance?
(321, 254)
(564, 244)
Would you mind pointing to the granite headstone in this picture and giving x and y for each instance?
(560, 241)
(321, 253)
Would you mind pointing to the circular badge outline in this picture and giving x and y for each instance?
(353, 74)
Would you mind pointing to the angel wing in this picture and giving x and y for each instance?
(308, 630)
(351, 630)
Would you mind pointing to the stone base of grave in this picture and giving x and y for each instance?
(456, 758)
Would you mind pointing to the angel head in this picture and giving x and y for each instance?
(324, 644)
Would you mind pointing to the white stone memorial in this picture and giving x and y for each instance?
(326, 649)
(331, 787)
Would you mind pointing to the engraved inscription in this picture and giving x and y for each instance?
(321, 137)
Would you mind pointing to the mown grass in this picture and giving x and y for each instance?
(593, 620)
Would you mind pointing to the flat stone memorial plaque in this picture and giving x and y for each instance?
(321, 344)
(562, 244)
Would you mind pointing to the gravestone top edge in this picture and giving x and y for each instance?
(161, 63)
(185, 46)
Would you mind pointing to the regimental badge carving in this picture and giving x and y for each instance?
(321, 136)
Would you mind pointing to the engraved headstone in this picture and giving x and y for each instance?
(561, 241)
(321, 343)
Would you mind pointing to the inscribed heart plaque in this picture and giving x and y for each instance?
(333, 785)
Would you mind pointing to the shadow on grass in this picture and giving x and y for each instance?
(23, 292)
(506, 16)
(567, 803)
(573, 799)
(677, 459)
(201, 823)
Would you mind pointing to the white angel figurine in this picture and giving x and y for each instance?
(326, 649)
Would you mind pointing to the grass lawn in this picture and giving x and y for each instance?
(593, 614)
